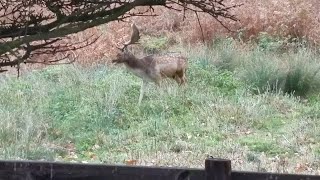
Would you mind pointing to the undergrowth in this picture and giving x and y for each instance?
(240, 104)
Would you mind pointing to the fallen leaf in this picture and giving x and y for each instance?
(131, 162)
(300, 168)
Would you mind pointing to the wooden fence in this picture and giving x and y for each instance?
(215, 169)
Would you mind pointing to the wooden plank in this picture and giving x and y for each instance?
(241, 175)
(32, 170)
(218, 169)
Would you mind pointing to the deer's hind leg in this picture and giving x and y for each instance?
(180, 77)
(177, 79)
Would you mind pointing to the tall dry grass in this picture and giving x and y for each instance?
(286, 18)
(291, 20)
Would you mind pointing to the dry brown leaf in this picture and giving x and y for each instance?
(300, 168)
(131, 162)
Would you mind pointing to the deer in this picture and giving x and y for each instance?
(154, 67)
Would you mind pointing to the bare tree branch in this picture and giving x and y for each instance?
(31, 28)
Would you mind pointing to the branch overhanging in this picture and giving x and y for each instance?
(30, 28)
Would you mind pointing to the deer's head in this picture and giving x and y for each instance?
(124, 55)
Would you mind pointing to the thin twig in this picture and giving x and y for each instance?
(200, 27)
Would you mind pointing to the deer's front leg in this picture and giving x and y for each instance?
(143, 84)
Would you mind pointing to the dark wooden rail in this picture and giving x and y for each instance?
(215, 169)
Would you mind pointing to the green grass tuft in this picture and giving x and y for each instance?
(267, 146)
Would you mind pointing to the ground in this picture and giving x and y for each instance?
(231, 108)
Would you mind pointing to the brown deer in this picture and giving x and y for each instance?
(152, 68)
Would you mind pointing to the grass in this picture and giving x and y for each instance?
(154, 45)
(72, 113)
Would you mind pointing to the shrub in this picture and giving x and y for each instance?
(228, 57)
(153, 45)
(302, 77)
(268, 43)
(295, 72)
(261, 72)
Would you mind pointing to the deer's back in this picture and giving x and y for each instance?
(154, 67)
(169, 63)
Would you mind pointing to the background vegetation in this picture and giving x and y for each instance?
(252, 97)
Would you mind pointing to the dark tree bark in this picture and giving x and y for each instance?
(32, 27)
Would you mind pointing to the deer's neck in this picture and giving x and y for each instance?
(140, 67)
(135, 63)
